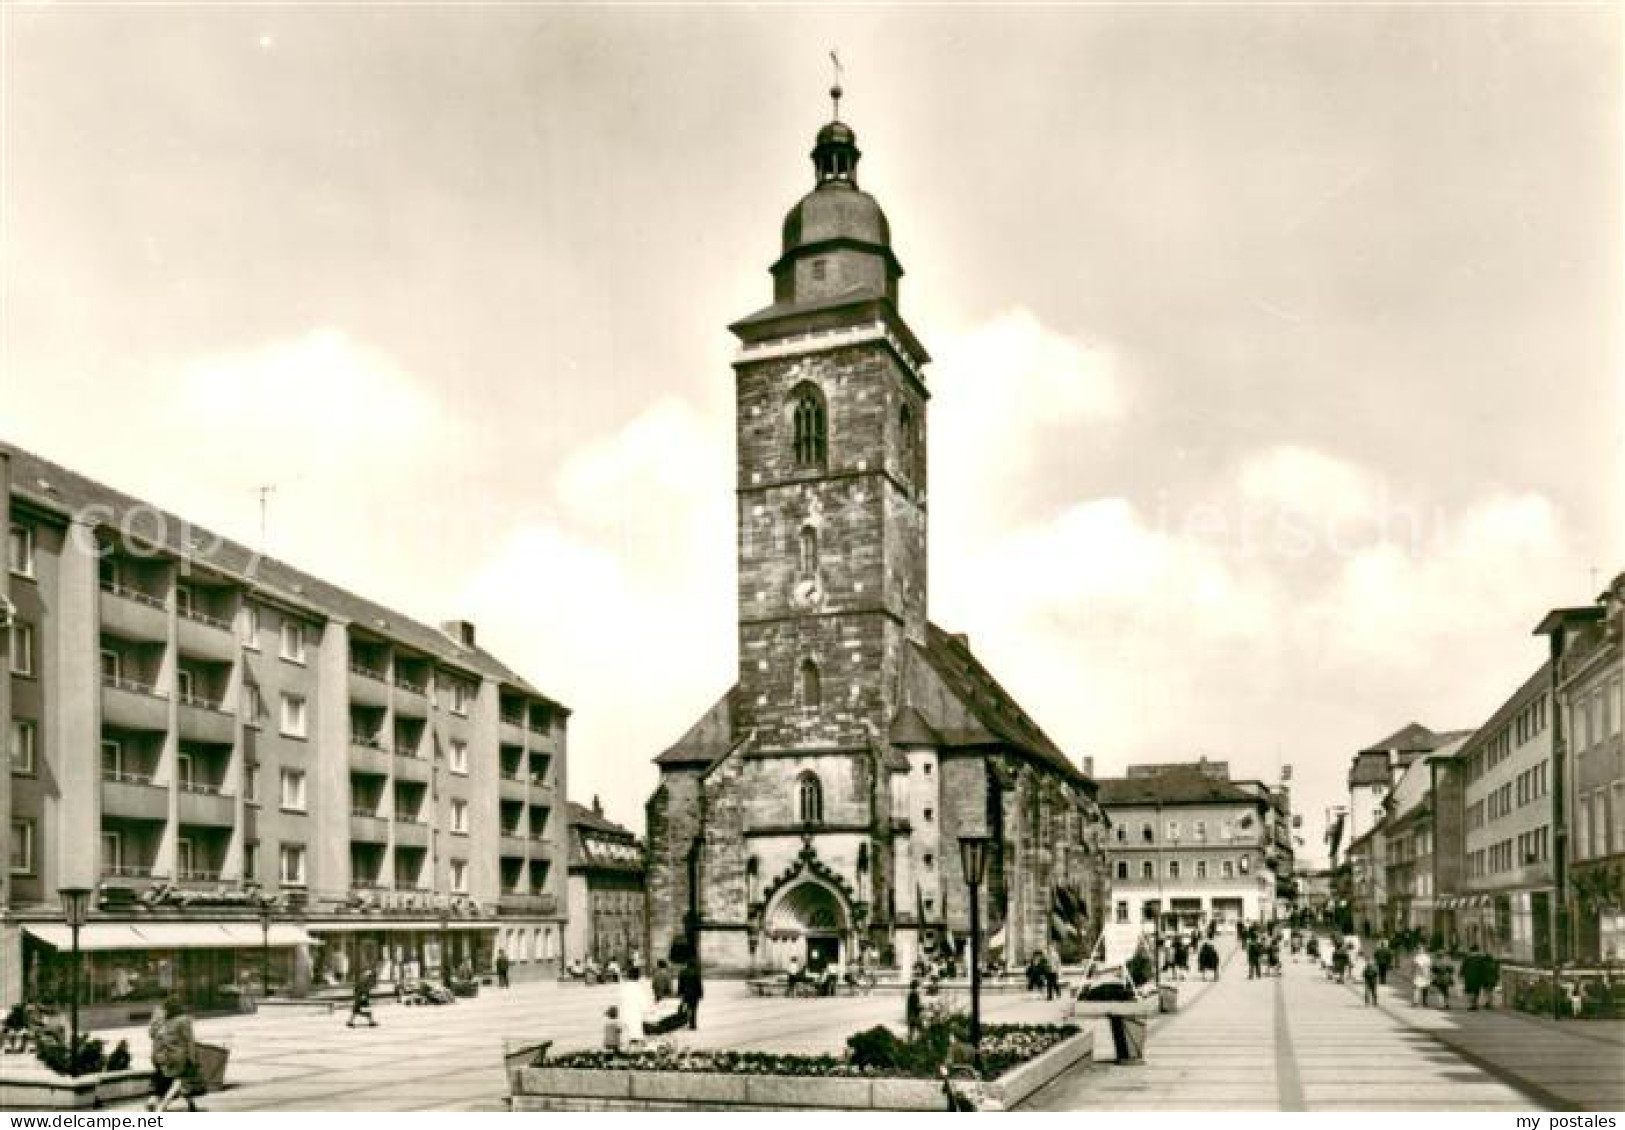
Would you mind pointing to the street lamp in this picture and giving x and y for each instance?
(445, 946)
(973, 860)
(75, 907)
(266, 912)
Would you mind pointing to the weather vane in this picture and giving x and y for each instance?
(835, 90)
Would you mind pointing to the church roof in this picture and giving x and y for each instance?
(998, 719)
(708, 739)
(909, 728)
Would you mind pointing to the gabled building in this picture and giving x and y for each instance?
(607, 913)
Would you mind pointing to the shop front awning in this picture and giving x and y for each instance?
(97, 936)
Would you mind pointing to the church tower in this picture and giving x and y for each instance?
(831, 411)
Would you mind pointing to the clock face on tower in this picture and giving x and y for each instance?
(807, 595)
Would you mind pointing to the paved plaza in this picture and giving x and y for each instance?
(1299, 1042)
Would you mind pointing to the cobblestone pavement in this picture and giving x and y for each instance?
(1294, 1043)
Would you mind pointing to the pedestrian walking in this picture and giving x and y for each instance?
(361, 1001)
(914, 1009)
(1421, 979)
(690, 989)
(1384, 958)
(1369, 975)
(174, 1062)
(1208, 960)
(502, 969)
(1255, 960)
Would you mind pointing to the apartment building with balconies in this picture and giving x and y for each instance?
(245, 761)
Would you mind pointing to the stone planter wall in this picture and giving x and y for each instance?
(561, 1088)
(44, 1091)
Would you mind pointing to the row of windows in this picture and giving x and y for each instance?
(1148, 832)
(1531, 784)
(1599, 822)
(1202, 868)
(1526, 725)
(1595, 717)
(290, 858)
(1500, 801)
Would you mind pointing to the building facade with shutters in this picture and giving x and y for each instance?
(814, 811)
(207, 737)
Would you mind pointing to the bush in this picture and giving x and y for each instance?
(89, 1054)
(120, 1059)
(1140, 969)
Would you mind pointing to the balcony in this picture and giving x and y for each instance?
(511, 786)
(132, 704)
(205, 806)
(368, 686)
(128, 871)
(204, 720)
(205, 636)
(514, 845)
(133, 614)
(411, 834)
(511, 729)
(369, 758)
(134, 797)
(369, 828)
(526, 904)
(199, 877)
(411, 768)
(411, 698)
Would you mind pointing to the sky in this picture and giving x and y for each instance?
(1277, 383)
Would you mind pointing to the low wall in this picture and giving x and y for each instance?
(40, 1090)
(563, 1088)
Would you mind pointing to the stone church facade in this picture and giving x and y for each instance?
(814, 811)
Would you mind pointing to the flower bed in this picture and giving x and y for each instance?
(1003, 1046)
(1017, 1060)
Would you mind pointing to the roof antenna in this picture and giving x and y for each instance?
(835, 89)
(265, 493)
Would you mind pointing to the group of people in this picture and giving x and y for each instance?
(654, 1007)
(1044, 974)
(1263, 950)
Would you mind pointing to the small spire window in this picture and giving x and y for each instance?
(807, 546)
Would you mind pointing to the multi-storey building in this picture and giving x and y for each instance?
(205, 736)
(1407, 832)
(815, 810)
(1190, 846)
(1500, 894)
(607, 913)
(1588, 680)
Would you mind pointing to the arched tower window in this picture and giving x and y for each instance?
(812, 684)
(807, 545)
(811, 427)
(810, 798)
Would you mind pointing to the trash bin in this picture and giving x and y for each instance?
(1128, 1038)
(1168, 998)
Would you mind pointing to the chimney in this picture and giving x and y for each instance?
(461, 631)
(1088, 766)
(597, 805)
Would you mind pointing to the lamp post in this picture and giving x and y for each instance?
(265, 950)
(75, 907)
(445, 946)
(973, 859)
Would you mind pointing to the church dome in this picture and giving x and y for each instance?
(835, 210)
